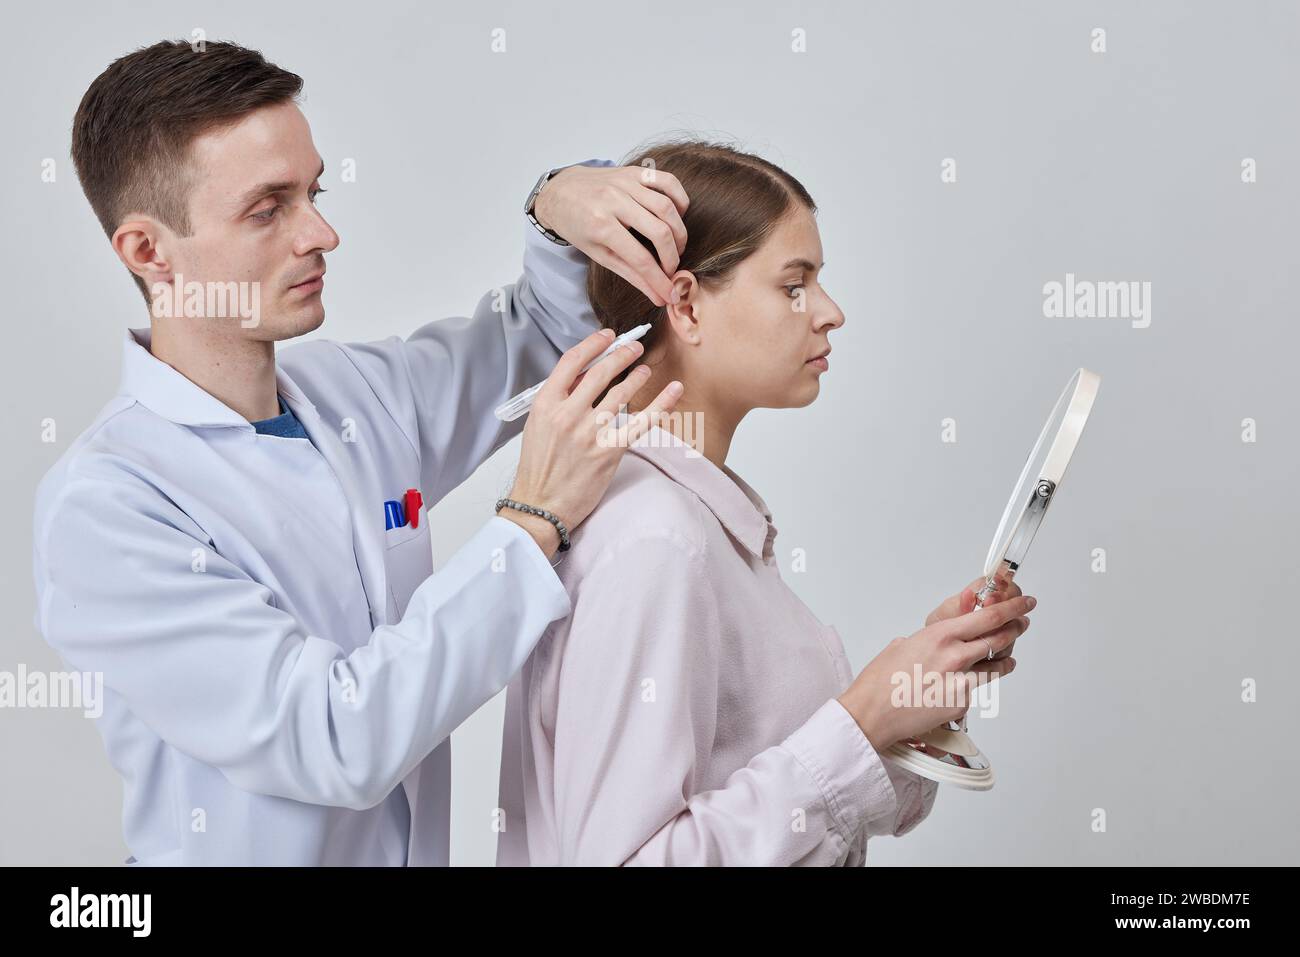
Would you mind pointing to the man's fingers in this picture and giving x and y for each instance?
(640, 423)
(663, 209)
(665, 183)
(570, 365)
(622, 393)
(626, 247)
(600, 375)
(640, 269)
(611, 261)
(635, 216)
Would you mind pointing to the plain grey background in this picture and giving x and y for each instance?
(1118, 166)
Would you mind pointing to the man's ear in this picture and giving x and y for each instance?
(684, 316)
(139, 243)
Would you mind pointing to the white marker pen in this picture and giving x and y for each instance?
(520, 404)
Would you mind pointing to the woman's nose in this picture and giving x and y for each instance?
(830, 315)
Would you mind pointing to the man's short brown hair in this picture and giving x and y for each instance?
(132, 132)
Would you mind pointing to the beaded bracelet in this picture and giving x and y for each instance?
(532, 510)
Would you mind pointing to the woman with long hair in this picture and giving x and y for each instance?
(691, 709)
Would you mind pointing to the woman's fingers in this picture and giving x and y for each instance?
(1002, 588)
(1000, 641)
(1003, 591)
(989, 618)
(971, 678)
(993, 669)
(964, 601)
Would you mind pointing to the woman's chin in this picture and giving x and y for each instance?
(803, 394)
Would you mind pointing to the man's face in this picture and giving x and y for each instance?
(253, 219)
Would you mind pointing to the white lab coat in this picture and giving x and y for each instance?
(282, 675)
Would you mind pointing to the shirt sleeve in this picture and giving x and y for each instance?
(200, 653)
(636, 710)
(443, 383)
(915, 799)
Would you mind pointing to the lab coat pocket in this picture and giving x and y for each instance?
(408, 561)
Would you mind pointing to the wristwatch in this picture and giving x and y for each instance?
(532, 200)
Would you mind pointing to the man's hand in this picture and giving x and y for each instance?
(572, 446)
(964, 602)
(595, 209)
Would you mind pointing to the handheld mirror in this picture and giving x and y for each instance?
(947, 754)
(1039, 480)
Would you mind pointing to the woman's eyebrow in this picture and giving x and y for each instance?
(803, 264)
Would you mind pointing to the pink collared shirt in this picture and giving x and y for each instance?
(685, 712)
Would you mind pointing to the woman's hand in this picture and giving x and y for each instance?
(595, 208)
(956, 650)
(964, 601)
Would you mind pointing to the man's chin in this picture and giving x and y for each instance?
(291, 323)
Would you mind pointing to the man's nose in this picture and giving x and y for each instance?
(316, 235)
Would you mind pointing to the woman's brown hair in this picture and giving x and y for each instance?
(735, 201)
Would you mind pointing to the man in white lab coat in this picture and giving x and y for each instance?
(238, 541)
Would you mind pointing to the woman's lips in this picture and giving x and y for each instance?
(821, 362)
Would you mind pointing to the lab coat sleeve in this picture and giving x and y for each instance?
(128, 586)
(637, 702)
(443, 383)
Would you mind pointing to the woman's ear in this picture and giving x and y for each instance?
(683, 316)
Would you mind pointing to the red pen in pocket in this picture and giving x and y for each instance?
(414, 501)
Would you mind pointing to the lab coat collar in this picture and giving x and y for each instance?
(729, 497)
(165, 392)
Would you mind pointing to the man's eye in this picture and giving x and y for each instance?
(790, 290)
(266, 215)
(316, 192)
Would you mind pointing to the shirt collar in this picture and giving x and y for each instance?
(165, 392)
(729, 497)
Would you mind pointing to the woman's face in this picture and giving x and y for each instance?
(757, 337)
